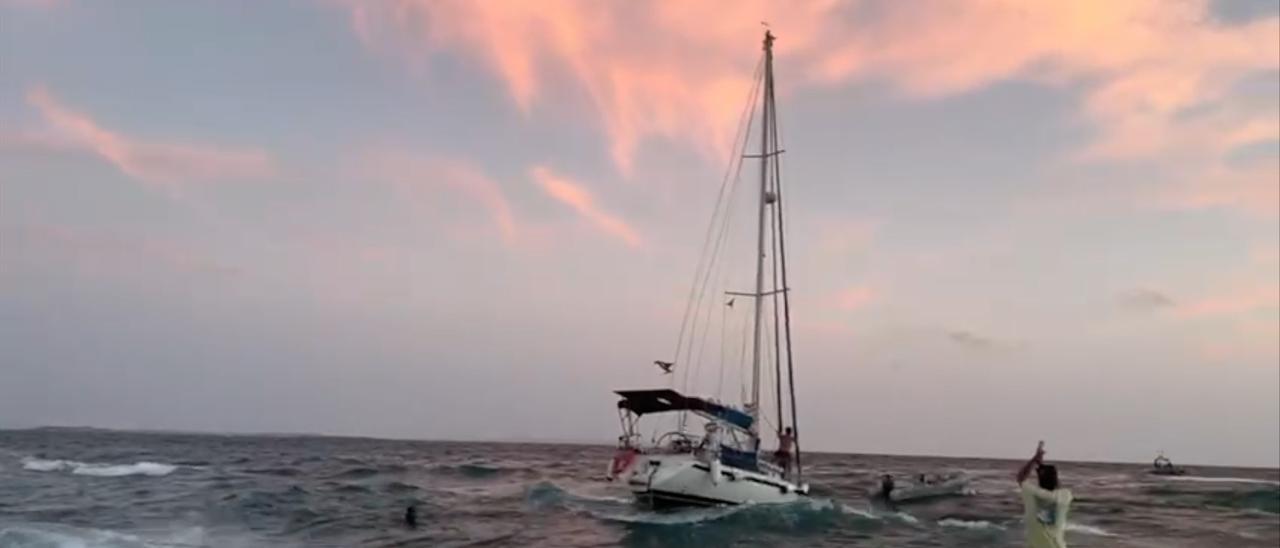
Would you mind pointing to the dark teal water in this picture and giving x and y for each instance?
(70, 488)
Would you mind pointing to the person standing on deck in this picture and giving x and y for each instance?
(783, 455)
(1044, 503)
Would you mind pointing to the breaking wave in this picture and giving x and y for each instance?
(965, 524)
(1088, 529)
(47, 535)
(143, 468)
(1207, 479)
(803, 515)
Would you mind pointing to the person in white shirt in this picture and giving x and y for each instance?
(1044, 503)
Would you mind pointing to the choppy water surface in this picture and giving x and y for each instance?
(61, 488)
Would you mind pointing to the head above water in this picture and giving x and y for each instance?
(1048, 475)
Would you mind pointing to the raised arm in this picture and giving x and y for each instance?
(1026, 468)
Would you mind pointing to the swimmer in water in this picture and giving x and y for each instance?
(411, 517)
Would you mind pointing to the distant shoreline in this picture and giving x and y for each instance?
(545, 441)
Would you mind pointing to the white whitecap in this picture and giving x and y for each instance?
(1088, 529)
(871, 513)
(60, 536)
(49, 535)
(135, 469)
(42, 465)
(964, 524)
(905, 517)
(687, 517)
(858, 512)
(1207, 479)
(98, 469)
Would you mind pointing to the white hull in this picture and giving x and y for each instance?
(683, 479)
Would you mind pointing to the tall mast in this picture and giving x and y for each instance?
(781, 256)
(765, 111)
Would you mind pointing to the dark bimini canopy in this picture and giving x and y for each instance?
(642, 402)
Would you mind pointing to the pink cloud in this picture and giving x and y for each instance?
(1140, 63)
(1254, 189)
(681, 70)
(1243, 300)
(98, 253)
(674, 70)
(855, 297)
(417, 174)
(1255, 339)
(840, 236)
(150, 162)
(578, 198)
(1265, 256)
(45, 4)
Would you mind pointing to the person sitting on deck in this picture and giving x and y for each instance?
(783, 455)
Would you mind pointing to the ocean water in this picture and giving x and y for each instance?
(76, 488)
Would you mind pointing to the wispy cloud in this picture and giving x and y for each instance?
(99, 253)
(421, 176)
(1254, 189)
(1141, 65)
(1145, 299)
(676, 70)
(151, 162)
(577, 197)
(31, 3)
(844, 236)
(1154, 78)
(855, 297)
(971, 340)
(1235, 301)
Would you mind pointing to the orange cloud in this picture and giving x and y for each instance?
(1237, 301)
(855, 297)
(1262, 256)
(101, 253)
(578, 198)
(149, 162)
(677, 70)
(415, 173)
(844, 236)
(32, 3)
(680, 70)
(1254, 189)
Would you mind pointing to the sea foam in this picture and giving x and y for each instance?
(48, 535)
(98, 469)
(1206, 479)
(964, 524)
(1088, 529)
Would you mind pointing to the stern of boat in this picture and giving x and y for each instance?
(685, 480)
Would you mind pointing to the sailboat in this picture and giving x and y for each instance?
(722, 463)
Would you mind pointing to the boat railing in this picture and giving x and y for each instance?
(769, 467)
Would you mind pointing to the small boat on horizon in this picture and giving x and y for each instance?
(1162, 466)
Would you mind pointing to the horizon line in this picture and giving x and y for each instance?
(554, 441)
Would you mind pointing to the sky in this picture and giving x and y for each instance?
(1008, 221)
